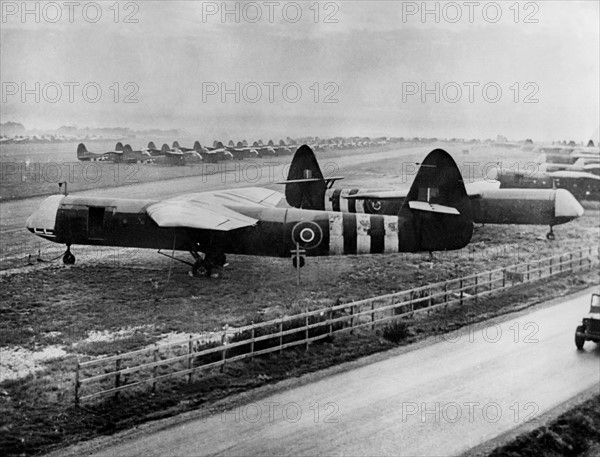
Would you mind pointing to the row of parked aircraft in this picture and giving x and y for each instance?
(437, 213)
(178, 155)
(576, 169)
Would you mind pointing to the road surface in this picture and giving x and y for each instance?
(437, 400)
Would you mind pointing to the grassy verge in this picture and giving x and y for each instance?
(574, 433)
(39, 414)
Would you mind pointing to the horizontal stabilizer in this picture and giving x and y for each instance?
(432, 207)
(295, 181)
(378, 195)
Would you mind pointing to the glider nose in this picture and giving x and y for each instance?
(43, 220)
(29, 223)
(566, 205)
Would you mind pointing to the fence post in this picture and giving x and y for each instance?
(503, 278)
(429, 301)
(446, 294)
(460, 285)
(570, 261)
(490, 281)
(372, 315)
(281, 335)
(154, 370)
(476, 288)
(352, 320)
(224, 351)
(550, 267)
(330, 323)
(117, 376)
(252, 341)
(527, 272)
(189, 364)
(306, 331)
(77, 383)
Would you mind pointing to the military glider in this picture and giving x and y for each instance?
(307, 188)
(583, 185)
(436, 215)
(111, 156)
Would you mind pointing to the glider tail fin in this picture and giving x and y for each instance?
(305, 186)
(436, 214)
(81, 150)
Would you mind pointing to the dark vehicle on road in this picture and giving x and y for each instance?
(590, 328)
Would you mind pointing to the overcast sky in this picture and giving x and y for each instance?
(372, 63)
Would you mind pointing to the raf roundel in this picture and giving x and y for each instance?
(307, 234)
(375, 206)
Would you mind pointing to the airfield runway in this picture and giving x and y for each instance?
(440, 399)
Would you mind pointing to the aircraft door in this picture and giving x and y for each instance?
(98, 222)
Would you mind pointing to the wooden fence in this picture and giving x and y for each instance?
(111, 375)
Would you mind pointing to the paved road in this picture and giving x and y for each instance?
(438, 400)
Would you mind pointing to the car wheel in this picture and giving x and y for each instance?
(579, 340)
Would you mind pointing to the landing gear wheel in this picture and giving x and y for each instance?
(201, 269)
(294, 262)
(579, 340)
(68, 258)
(550, 235)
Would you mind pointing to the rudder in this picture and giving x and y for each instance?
(436, 214)
(81, 150)
(309, 192)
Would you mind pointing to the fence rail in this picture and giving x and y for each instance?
(111, 375)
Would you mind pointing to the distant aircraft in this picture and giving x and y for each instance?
(211, 156)
(436, 215)
(292, 147)
(280, 149)
(241, 150)
(262, 150)
(190, 155)
(307, 188)
(137, 156)
(113, 156)
(222, 153)
(582, 164)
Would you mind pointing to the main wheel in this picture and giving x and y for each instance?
(550, 236)
(201, 269)
(68, 258)
(579, 340)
